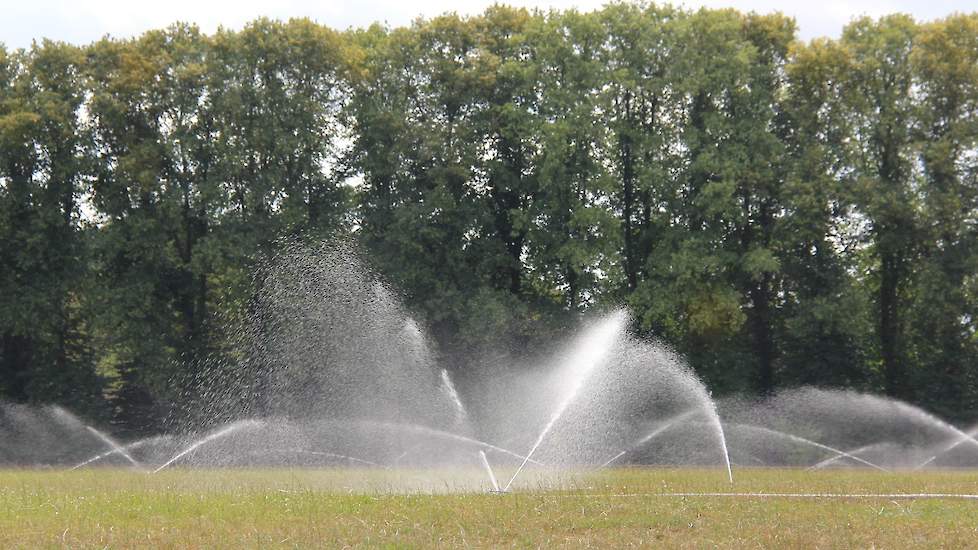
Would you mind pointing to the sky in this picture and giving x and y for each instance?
(83, 21)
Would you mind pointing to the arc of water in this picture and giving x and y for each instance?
(460, 413)
(718, 426)
(591, 352)
(400, 456)
(799, 439)
(331, 455)
(95, 458)
(836, 458)
(107, 454)
(116, 448)
(608, 462)
(207, 439)
(664, 427)
(492, 476)
(968, 437)
(961, 437)
(447, 435)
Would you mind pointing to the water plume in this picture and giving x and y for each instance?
(114, 451)
(968, 437)
(587, 356)
(840, 456)
(492, 476)
(461, 415)
(664, 427)
(223, 432)
(331, 370)
(115, 447)
(809, 442)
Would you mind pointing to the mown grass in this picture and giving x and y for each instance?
(614, 508)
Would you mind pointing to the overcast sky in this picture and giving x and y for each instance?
(82, 21)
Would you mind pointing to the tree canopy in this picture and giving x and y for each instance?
(779, 212)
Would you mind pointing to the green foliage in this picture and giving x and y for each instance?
(779, 212)
(43, 281)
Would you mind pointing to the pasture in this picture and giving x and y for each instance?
(195, 508)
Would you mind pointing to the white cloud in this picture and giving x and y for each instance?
(82, 21)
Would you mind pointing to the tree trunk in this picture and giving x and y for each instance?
(16, 354)
(761, 329)
(759, 292)
(627, 158)
(572, 288)
(506, 192)
(889, 327)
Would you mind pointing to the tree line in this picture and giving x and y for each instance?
(780, 212)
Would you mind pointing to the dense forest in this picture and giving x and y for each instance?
(780, 212)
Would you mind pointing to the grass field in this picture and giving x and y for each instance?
(614, 508)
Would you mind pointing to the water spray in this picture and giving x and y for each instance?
(207, 439)
(809, 442)
(590, 352)
(492, 476)
(116, 448)
(666, 426)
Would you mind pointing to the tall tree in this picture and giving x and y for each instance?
(45, 348)
(945, 65)
(760, 132)
(877, 92)
(693, 295)
(573, 238)
(416, 146)
(508, 168)
(826, 336)
(642, 104)
(156, 192)
(277, 91)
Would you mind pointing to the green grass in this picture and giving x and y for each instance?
(624, 507)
